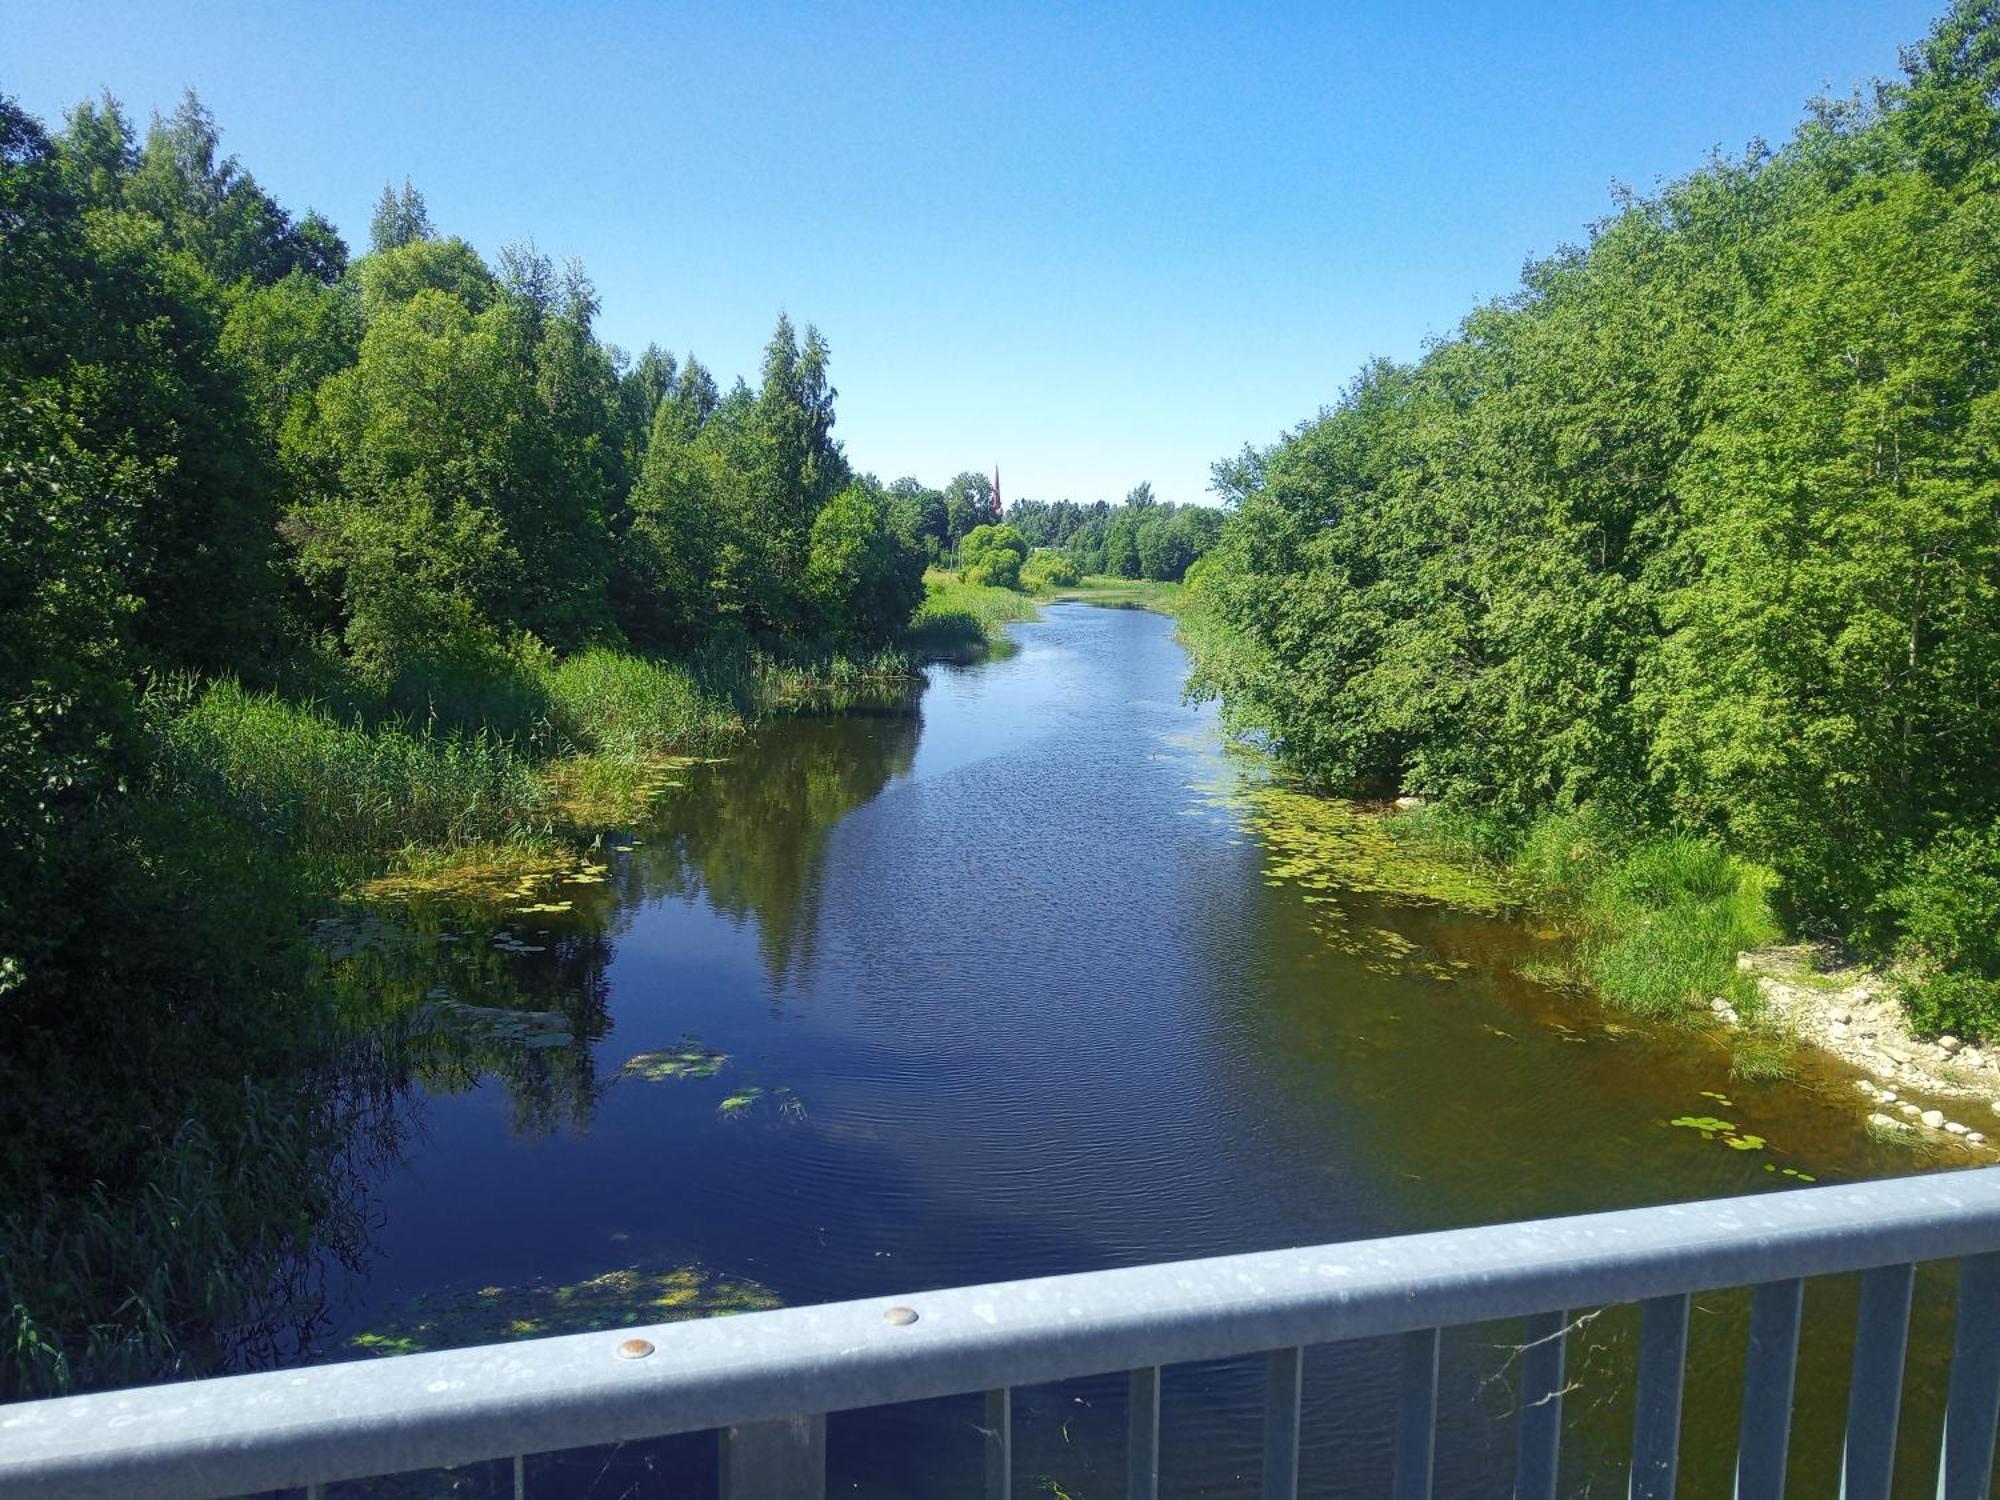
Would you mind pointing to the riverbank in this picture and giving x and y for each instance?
(960, 622)
(1677, 929)
(1942, 1087)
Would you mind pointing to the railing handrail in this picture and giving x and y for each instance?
(243, 1433)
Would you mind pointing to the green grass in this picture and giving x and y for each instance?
(1130, 593)
(1656, 920)
(334, 794)
(959, 621)
(615, 703)
(1760, 1056)
(819, 682)
(1659, 919)
(112, 1288)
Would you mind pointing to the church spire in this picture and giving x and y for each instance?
(996, 492)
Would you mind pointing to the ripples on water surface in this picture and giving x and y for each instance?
(1039, 1010)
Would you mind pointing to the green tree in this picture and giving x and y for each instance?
(865, 571)
(992, 555)
(208, 207)
(400, 219)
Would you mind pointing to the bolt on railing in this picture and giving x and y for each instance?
(767, 1380)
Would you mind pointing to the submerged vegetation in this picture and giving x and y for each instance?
(1672, 575)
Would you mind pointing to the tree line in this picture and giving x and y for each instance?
(1142, 537)
(1698, 530)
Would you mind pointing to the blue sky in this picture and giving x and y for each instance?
(1092, 244)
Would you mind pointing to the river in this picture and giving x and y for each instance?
(1004, 986)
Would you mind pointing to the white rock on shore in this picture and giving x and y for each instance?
(1853, 1013)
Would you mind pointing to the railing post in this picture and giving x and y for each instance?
(1875, 1393)
(1541, 1406)
(1965, 1470)
(1142, 1437)
(783, 1459)
(1656, 1429)
(1282, 1389)
(1770, 1372)
(999, 1436)
(1416, 1415)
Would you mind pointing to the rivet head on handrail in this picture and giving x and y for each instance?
(900, 1317)
(634, 1349)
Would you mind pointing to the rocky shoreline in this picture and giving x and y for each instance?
(1942, 1089)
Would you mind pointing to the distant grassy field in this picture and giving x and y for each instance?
(1131, 593)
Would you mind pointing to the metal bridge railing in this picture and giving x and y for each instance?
(766, 1380)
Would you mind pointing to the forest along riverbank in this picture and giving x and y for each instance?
(1617, 576)
(831, 1021)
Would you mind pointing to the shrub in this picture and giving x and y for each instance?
(1050, 569)
(992, 556)
(1947, 909)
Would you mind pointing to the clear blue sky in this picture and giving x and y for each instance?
(1090, 243)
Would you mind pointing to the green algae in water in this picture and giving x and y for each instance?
(615, 1299)
(1327, 844)
(686, 1059)
(1327, 851)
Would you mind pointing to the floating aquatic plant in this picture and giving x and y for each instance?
(686, 1059)
(615, 1299)
(1712, 1128)
(752, 1099)
(488, 875)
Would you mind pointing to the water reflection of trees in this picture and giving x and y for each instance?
(437, 1005)
(751, 832)
(428, 999)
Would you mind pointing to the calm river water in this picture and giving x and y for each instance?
(1022, 997)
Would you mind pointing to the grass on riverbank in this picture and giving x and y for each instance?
(518, 754)
(1122, 593)
(960, 621)
(1656, 920)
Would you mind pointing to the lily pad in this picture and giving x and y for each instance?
(686, 1059)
